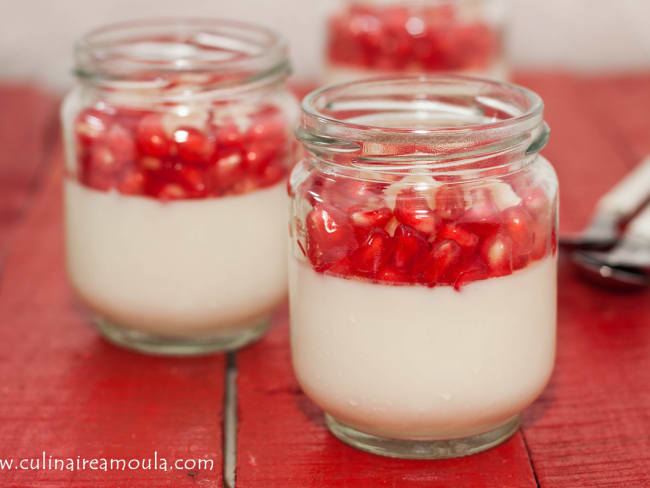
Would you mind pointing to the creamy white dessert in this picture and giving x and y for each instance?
(187, 268)
(411, 362)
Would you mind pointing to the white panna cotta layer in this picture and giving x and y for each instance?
(411, 362)
(182, 268)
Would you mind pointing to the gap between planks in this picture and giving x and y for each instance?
(230, 421)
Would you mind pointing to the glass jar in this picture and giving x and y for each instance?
(178, 140)
(418, 36)
(422, 278)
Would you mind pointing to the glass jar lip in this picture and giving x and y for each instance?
(428, 97)
(238, 51)
(535, 110)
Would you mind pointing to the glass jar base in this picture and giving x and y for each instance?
(422, 449)
(170, 346)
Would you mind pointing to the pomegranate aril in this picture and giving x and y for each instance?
(329, 236)
(92, 125)
(260, 154)
(412, 209)
(171, 191)
(102, 160)
(193, 180)
(475, 271)
(133, 182)
(341, 268)
(450, 202)
(519, 225)
(121, 144)
(373, 254)
(443, 257)
(227, 169)
(193, 145)
(411, 248)
(228, 135)
(378, 217)
(391, 274)
(536, 201)
(496, 252)
(151, 136)
(464, 238)
(541, 237)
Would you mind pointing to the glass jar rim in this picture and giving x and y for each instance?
(239, 52)
(521, 122)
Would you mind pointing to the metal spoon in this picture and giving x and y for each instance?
(614, 207)
(628, 264)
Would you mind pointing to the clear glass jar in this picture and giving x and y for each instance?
(178, 139)
(422, 277)
(369, 37)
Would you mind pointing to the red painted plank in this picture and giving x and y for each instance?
(28, 131)
(65, 391)
(591, 428)
(283, 442)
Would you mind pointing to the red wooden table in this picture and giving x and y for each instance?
(66, 392)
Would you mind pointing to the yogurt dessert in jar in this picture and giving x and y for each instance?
(383, 37)
(178, 140)
(422, 276)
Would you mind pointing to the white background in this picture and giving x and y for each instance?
(36, 36)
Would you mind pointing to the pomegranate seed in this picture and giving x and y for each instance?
(151, 136)
(92, 125)
(374, 253)
(444, 255)
(463, 237)
(518, 223)
(341, 268)
(482, 217)
(271, 175)
(412, 209)
(541, 236)
(390, 274)
(193, 145)
(171, 191)
(228, 169)
(228, 135)
(371, 218)
(474, 272)
(411, 248)
(536, 201)
(121, 144)
(497, 254)
(150, 163)
(193, 180)
(133, 182)
(102, 160)
(329, 236)
(450, 202)
(259, 154)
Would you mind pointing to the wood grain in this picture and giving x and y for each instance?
(65, 391)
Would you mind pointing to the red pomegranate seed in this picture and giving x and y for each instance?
(390, 274)
(535, 201)
(341, 268)
(496, 251)
(228, 135)
(228, 169)
(271, 175)
(259, 154)
(444, 255)
(193, 180)
(373, 254)
(193, 145)
(541, 236)
(474, 272)
(329, 236)
(378, 217)
(121, 144)
(133, 182)
(412, 209)
(411, 248)
(92, 125)
(171, 191)
(450, 202)
(464, 238)
(151, 136)
(518, 224)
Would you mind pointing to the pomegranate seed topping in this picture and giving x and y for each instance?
(450, 202)
(497, 254)
(444, 255)
(374, 253)
(132, 182)
(259, 155)
(171, 191)
(102, 160)
(371, 218)
(150, 163)
(121, 144)
(541, 236)
(151, 136)
(329, 236)
(391, 274)
(411, 248)
(536, 201)
(193, 145)
(474, 272)
(464, 238)
(341, 268)
(91, 126)
(518, 223)
(193, 180)
(412, 209)
(228, 169)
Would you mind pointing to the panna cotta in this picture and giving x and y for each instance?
(174, 224)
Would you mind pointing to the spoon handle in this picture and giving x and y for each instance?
(629, 194)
